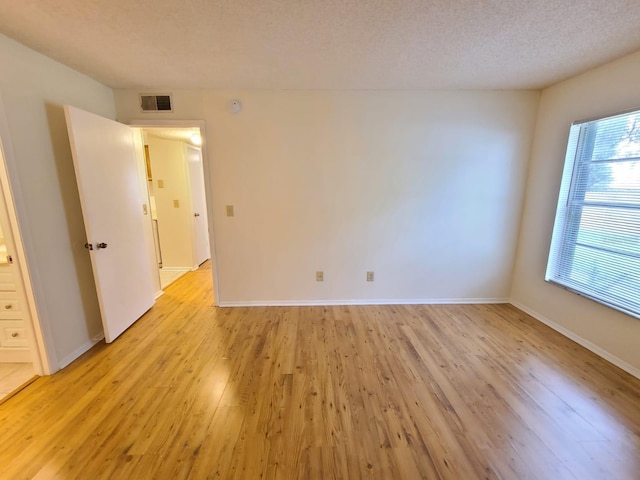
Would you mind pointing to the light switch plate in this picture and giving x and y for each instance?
(229, 210)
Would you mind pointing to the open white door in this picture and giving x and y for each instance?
(106, 171)
(201, 249)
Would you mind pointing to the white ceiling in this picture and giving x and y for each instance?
(183, 134)
(327, 44)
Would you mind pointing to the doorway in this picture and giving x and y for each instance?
(19, 357)
(109, 159)
(177, 199)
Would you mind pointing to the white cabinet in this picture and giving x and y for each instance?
(14, 346)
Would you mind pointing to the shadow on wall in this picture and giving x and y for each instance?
(73, 215)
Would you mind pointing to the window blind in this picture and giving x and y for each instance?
(595, 248)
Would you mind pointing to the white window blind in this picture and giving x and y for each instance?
(595, 248)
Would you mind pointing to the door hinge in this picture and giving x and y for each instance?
(9, 259)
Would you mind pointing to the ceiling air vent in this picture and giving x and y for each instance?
(156, 103)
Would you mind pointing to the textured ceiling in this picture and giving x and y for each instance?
(328, 44)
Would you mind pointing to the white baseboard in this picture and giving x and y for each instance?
(579, 340)
(15, 355)
(176, 269)
(315, 303)
(80, 350)
(158, 294)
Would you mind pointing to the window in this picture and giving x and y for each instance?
(595, 249)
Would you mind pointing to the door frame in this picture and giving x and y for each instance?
(200, 124)
(38, 330)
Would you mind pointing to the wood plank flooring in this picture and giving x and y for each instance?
(392, 392)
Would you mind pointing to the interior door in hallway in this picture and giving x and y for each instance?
(201, 249)
(106, 172)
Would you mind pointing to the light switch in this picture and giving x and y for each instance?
(176, 204)
(229, 210)
(160, 183)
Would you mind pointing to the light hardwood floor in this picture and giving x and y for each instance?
(393, 392)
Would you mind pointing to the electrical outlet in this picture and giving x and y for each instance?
(370, 276)
(160, 183)
(176, 204)
(229, 210)
(319, 276)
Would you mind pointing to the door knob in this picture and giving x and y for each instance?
(101, 245)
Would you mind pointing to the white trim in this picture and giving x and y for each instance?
(618, 362)
(85, 347)
(142, 123)
(402, 301)
(600, 117)
(159, 293)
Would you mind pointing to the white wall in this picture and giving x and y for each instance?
(34, 88)
(608, 89)
(174, 224)
(424, 188)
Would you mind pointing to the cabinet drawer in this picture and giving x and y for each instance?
(10, 308)
(12, 334)
(7, 280)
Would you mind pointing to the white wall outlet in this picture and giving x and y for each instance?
(370, 276)
(229, 210)
(319, 276)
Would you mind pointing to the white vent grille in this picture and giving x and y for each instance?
(156, 103)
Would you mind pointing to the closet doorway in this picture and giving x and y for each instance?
(19, 353)
(177, 199)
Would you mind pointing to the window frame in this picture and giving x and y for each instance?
(571, 202)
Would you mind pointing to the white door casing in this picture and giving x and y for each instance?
(207, 167)
(200, 235)
(17, 337)
(106, 173)
(38, 329)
